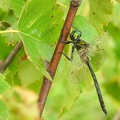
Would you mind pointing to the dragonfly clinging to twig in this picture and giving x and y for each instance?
(88, 54)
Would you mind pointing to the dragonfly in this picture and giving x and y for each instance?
(86, 53)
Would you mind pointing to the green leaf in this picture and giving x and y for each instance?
(36, 85)
(4, 25)
(12, 37)
(115, 35)
(72, 90)
(9, 77)
(3, 85)
(88, 31)
(1, 77)
(6, 14)
(115, 16)
(113, 86)
(18, 59)
(3, 10)
(88, 104)
(100, 12)
(17, 6)
(4, 113)
(4, 48)
(39, 28)
(27, 73)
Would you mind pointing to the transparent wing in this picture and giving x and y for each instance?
(98, 59)
(76, 59)
(97, 53)
(80, 73)
(99, 43)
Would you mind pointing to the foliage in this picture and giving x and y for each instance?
(4, 114)
(98, 9)
(38, 24)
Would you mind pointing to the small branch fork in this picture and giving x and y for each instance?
(4, 64)
(57, 54)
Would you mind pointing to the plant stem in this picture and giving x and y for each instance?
(4, 64)
(57, 54)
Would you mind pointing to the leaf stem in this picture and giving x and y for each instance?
(46, 85)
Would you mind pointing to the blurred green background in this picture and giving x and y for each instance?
(19, 101)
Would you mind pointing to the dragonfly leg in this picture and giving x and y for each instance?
(66, 42)
(71, 57)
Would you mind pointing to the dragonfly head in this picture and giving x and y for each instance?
(75, 35)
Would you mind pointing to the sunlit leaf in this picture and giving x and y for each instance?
(3, 10)
(36, 85)
(88, 31)
(4, 48)
(113, 86)
(17, 6)
(3, 84)
(72, 91)
(116, 37)
(4, 25)
(88, 104)
(100, 12)
(18, 59)
(4, 113)
(12, 37)
(28, 73)
(39, 29)
(115, 16)
(9, 77)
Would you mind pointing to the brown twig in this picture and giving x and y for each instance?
(57, 54)
(4, 64)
